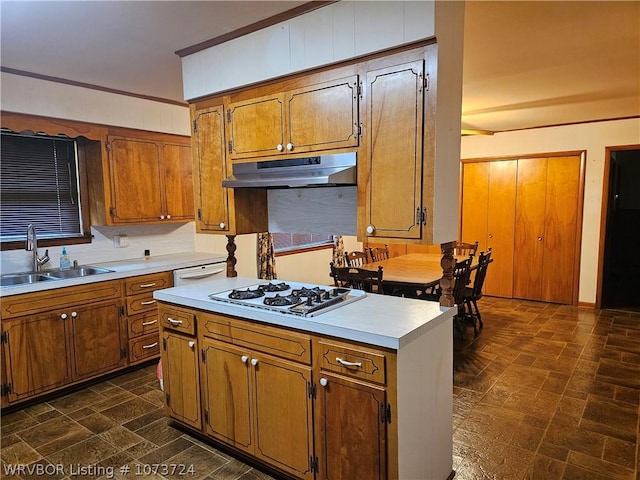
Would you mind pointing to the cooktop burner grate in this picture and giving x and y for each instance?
(246, 294)
(281, 301)
(274, 287)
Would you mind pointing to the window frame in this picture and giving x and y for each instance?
(303, 247)
(85, 216)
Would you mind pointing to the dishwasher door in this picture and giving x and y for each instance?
(187, 276)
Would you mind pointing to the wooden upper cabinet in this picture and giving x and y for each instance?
(390, 168)
(311, 118)
(143, 177)
(219, 209)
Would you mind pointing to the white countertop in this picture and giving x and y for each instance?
(121, 269)
(379, 320)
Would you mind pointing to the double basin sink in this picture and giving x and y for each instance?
(12, 279)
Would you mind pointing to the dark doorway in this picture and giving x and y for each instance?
(621, 267)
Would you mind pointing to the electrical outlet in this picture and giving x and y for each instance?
(120, 241)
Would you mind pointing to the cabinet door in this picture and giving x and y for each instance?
(136, 180)
(36, 354)
(227, 391)
(98, 338)
(283, 414)
(178, 175)
(392, 167)
(323, 116)
(352, 434)
(181, 378)
(210, 168)
(256, 127)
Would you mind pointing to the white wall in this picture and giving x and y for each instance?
(39, 97)
(591, 137)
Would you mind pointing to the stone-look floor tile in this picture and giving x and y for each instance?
(231, 470)
(96, 422)
(17, 425)
(37, 409)
(545, 468)
(577, 439)
(255, 474)
(162, 454)
(83, 412)
(118, 397)
(86, 453)
(129, 410)
(76, 400)
(141, 449)
(57, 429)
(144, 420)
(19, 453)
(159, 432)
(620, 452)
(599, 466)
(121, 437)
(612, 418)
(196, 460)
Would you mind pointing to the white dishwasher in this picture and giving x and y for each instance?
(191, 275)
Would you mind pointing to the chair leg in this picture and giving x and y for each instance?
(470, 316)
(475, 304)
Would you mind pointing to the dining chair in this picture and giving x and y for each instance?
(358, 278)
(377, 254)
(474, 293)
(356, 259)
(461, 276)
(463, 249)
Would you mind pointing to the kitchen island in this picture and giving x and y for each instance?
(362, 391)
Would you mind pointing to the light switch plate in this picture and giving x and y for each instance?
(120, 241)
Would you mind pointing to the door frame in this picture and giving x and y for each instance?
(603, 215)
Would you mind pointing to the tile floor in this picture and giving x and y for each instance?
(544, 392)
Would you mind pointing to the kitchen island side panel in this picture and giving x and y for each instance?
(425, 404)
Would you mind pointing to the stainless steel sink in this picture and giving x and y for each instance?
(13, 279)
(79, 272)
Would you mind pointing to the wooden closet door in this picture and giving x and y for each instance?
(501, 206)
(475, 203)
(530, 224)
(562, 207)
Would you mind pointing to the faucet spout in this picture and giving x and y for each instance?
(31, 245)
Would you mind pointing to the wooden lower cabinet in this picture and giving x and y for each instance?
(259, 404)
(55, 338)
(265, 394)
(181, 378)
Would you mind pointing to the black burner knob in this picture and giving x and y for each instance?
(309, 301)
(326, 295)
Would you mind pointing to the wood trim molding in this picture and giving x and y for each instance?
(570, 153)
(254, 27)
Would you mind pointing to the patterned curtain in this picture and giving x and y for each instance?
(338, 251)
(266, 257)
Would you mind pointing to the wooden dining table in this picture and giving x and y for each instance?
(411, 269)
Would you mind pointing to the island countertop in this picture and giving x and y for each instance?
(379, 320)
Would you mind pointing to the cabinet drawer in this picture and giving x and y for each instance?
(141, 303)
(275, 341)
(145, 347)
(143, 324)
(177, 319)
(352, 361)
(148, 283)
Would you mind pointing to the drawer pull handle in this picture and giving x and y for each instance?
(150, 302)
(155, 344)
(348, 364)
(149, 323)
(174, 322)
(191, 344)
(147, 285)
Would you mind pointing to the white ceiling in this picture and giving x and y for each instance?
(526, 64)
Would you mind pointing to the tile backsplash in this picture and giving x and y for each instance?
(162, 239)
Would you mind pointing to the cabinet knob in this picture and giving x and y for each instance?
(244, 358)
(324, 382)
(223, 225)
(289, 146)
(254, 361)
(63, 316)
(161, 217)
(539, 239)
(191, 344)
(491, 235)
(168, 217)
(371, 229)
(74, 314)
(279, 147)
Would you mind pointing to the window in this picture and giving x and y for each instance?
(287, 243)
(39, 184)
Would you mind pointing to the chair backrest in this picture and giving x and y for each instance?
(464, 249)
(358, 278)
(377, 254)
(461, 276)
(356, 259)
(481, 272)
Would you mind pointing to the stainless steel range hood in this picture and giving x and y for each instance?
(336, 169)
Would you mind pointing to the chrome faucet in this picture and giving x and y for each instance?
(32, 246)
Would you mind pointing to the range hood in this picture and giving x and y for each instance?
(336, 169)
